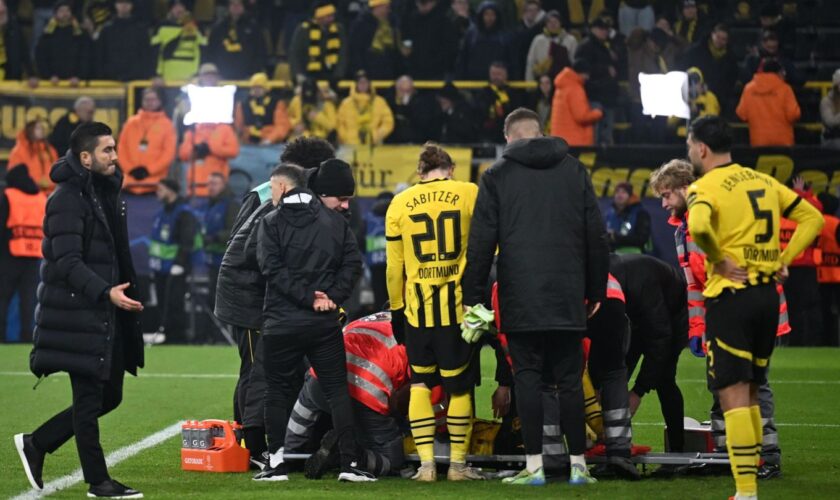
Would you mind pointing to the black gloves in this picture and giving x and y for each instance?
(139, 173)
(201, 151)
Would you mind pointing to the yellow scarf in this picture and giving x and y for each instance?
(497, 109)
(319, 61)
(3, 58)
(365, 115)
(231, 41)
(383, 39)
(691, 26)
(576, 14)
(716, 52)
(53, 25)
(259, 108)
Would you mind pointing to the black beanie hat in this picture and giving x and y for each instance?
(334, 178)
(172, 185)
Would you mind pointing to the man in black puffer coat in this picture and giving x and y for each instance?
(537, 206)
(86, 324)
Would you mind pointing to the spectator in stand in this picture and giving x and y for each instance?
(64, 49)
(702, 102)
(123, 48)
(411, 112)
(646, 54)
(238, 44)
(578, 14)
(42, 12)
(83, 110)
(830, 114)
(633, 14)
(207, 147)
(572, 119)
(602, 85)
(430, 40)
(147, 145)
(531, 25)
(319, 47)
(375, 42)
(770, 18)
(769, 50)
(494, 103)
(22, 210)
(179, 43)
(484, 43)
(769, 107)
(453, 123)
(690, 26)
(628, 223)
(14, 53)
(543, 101)
(551, 51)
(363, 116)
(312, 111)
(461, 16)
(33, 151)
(675, 46)
(260, 118)
(508, 11)
(801, 287)
(712, 56)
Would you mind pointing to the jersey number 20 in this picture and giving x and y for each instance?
(437, 230)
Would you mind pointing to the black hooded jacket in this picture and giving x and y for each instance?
(538, 206)
(305, 247)
(656, 304)
(86, 252)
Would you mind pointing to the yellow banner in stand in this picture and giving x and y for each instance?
(387, 168)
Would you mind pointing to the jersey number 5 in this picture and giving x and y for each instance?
(454, 217)
(759, 214)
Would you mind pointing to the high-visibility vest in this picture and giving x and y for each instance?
(26, 222)
(614, 290)
(829, 269)
(376, 365)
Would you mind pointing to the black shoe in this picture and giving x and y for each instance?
(322, 460)
(353, 474)
(260, 462)
(112, 489)
(668, 471)
(32, 459)
(769, 471)
(624, 468)
(279, 473)
(708, 470)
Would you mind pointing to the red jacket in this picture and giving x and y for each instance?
(811, 256)
(693, 261)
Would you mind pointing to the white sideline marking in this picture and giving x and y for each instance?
(830, 426)
(112, 459)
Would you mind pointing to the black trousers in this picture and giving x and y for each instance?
(379, 284)
(553, 358)
(171, 291)
(18, 275)
(804, 307)
(830, 303)
(92, 398)
(282, 356)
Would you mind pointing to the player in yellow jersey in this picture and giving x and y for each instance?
(426, 229)
(735, 213)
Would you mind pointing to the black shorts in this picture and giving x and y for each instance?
(740, 334)
(439, 355)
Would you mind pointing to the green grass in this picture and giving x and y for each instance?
(810, 458)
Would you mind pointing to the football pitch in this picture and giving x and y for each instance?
(197, 383)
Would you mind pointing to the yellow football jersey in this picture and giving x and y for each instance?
(426, 228)
(746, 207)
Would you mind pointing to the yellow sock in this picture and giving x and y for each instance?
(422, 419)
(459, 425)
(758, 429)
(741, 445)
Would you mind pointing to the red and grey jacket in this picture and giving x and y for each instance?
(692, 259)
(811, 256)
(376, 365)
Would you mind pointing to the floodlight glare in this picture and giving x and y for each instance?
(209, 104)
(665, 95)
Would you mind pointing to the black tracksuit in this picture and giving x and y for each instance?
(78, 330)
(304, 247)
(537, 206)
(657, 307)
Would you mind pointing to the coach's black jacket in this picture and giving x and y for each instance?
(305, 247)
(86, 251)
(240, 292)
(538, 206)
(655, 296)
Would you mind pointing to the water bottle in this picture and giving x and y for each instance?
(185, 435)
